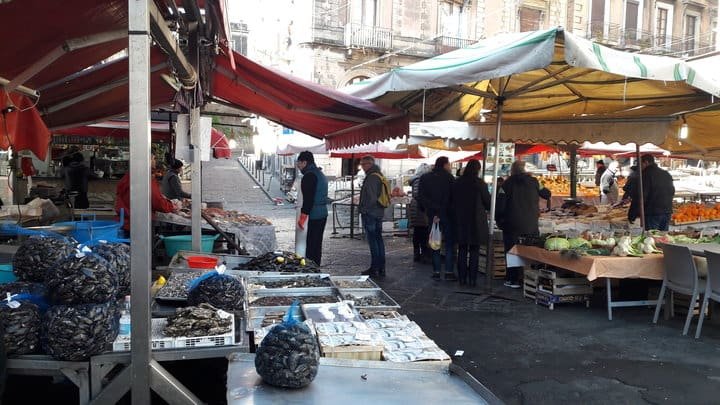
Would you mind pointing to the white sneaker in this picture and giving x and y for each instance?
(510, 284)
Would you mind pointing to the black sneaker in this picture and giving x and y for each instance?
(436, 276)
(369, 272)
(450, 277)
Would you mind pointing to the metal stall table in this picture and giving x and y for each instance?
(649, 267)
(360, 382)
(42, 365)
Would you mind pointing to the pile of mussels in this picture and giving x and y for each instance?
(82, 278)
(22, 327)
(76, 332)
(38, 255)
(202, 320)
(288, 356)
(286, 262)
(118, 256)
(219, 290)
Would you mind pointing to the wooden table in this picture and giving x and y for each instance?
(593, 267)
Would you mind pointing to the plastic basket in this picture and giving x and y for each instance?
(86, 230)
(208, 341)
(184, 242)
(159, 340)
(201, 262)
(6, 274)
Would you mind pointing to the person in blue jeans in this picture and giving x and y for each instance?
(372, 213)
(435, 197)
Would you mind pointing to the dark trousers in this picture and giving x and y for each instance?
(373, 233)
(467, 271)
(315, 231)
(420, 240)
(659, 222)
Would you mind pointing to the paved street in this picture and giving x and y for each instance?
(525, 353)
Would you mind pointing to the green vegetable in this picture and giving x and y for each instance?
(578, 243)
(556, 243)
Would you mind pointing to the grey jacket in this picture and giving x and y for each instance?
(370, 192)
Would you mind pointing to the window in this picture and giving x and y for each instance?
(597, 18)
(691, 32)
(369, 12)
(449, 18)
(631, 17)
(530, 19)
(663, 26)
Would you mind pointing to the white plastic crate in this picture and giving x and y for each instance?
(208, 341)
(159, 340)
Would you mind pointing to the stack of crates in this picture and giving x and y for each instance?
(530, 280)
(499, 263)
(553, 289)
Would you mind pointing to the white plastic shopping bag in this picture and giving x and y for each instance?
(435, 240)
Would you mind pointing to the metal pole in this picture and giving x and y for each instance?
(493, 198)
(196, 179)
(139, 42)
(641, 193)
(573, 171)
(352, 196)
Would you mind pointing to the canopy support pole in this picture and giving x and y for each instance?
(490, 257)
(352, 196)
(641, 192)
(572, 149)
(196, 191)
(140, 258)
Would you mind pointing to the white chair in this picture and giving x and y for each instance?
(680, 275)
(712, 287)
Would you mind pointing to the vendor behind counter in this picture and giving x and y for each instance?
(76, 176)
(158, 202)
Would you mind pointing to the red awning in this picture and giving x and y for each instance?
(219, 144)
(342, 120)
(116, 129)
(526, 149)
(477, 156)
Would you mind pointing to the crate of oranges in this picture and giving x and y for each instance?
(694, 212)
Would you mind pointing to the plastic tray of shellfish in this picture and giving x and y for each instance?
(289, 283)
(226, 339)
(353, 282)
(177, 285)
(367, 298)
(158, 341)
(179, 261)
(336, 312)
(260, 298)
(260, 317)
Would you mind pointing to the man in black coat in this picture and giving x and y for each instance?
(435, 192)
(658, 192)
(518, 212)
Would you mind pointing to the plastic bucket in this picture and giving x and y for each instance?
(202, 262)
(6, 274)
(84, 231)
(184, 242)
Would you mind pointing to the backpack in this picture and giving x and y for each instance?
(384, 197)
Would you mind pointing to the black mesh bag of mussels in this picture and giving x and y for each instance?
(82, 277)
(38, 254)
(20, 316)
(289, 354)
(217, 289)
(76, 332)
(118, 255)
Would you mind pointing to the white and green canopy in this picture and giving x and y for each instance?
(556, 87)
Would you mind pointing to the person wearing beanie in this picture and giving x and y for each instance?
(171, 186)
(313, 213)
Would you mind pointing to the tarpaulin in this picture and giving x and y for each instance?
(22, 127)
(342, 120)
(219, 145)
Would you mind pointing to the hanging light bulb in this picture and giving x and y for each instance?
(683, 134)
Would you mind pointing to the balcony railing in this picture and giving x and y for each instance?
(647, 42)
(367, 36)
(445, 44)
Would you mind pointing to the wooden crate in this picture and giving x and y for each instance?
(352, 352)
(499, 263)
(550, 282)
(530, 283)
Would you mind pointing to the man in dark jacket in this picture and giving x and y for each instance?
(658, 192)
(470, 201)
(76, 179)
(631, 189)
(314, 211)
(435, 198)
(372, 215)
(518, 212)
(171, 186)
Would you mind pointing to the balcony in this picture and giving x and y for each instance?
(615, 36)
(363, 36)
(445, 44)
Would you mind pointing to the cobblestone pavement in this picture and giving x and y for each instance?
(523, 352)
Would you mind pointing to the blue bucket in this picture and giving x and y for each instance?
(173, 244)
(84, 231)
(6, 274)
